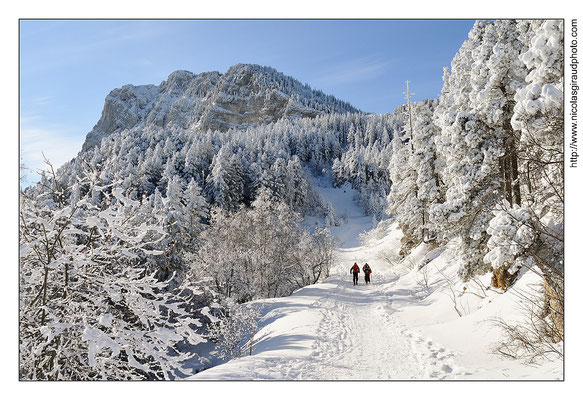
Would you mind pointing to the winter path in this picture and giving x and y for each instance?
(337, 331)
(403, 326)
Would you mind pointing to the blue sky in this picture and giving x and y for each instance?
(68, 67)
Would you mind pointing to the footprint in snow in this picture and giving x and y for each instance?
(446, 368)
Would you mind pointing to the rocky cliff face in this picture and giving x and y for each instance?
(245, 95)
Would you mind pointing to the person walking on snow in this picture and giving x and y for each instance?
(355, 270)
(367, 271)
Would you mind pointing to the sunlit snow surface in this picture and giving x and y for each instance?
(402, 326)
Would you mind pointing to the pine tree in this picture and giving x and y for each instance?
(226, 179)
(402, 199)
(429, 189)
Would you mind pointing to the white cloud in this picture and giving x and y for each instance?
(42, 100)
(144, 62)
(97, 39)
(36, 139)
(356, 70)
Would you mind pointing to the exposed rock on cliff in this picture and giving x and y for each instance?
(245, 95)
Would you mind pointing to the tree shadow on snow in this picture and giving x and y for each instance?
(281, 342)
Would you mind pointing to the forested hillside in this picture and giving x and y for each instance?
(188, 198)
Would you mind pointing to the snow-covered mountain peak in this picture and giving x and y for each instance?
(247, 94)
(177, 81)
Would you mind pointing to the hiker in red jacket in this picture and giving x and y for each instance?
(367, 271)
(355, 270)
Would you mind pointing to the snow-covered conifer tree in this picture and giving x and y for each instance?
(426, 163)
(538, 120)
(403, 198)
(227, 179)
(470, 151)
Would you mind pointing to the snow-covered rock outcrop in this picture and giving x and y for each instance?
(246, 94)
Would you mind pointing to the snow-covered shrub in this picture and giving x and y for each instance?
(261, 252)
(536, 336)
(90, 305)
(315, 257)
(234, 332)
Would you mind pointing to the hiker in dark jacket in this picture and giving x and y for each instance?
(367, 271)
(355, 270)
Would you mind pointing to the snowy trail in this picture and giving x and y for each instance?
(337, 331)
(393, 329)
(358, 337)
(360, 340)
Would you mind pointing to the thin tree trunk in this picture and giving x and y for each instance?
(511, 182)
(528, 181)
(506, 176)
(44, 296)
(514, 169)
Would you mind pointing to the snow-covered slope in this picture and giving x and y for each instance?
(246, 94)
(402, 326)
